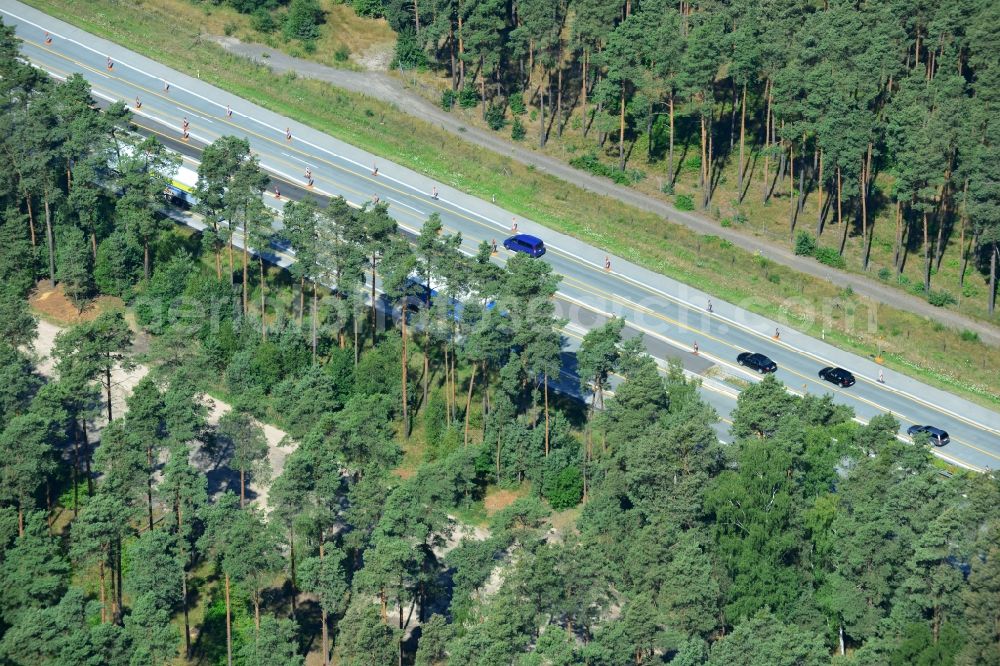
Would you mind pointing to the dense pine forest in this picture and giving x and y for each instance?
(866, 111)
(869, 108)
(410, 480)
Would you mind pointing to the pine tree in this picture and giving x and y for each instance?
(248, 445)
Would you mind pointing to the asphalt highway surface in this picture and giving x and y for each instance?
(671, 316)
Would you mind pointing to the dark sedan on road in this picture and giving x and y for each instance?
(757, 362)
(936, 436)
(837, 376)
(526, 244)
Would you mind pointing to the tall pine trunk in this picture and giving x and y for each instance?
(482, 84)
(898, 242)
(942, 218)
(403, 362)
(840, 212)
(670, 150)
(31, 221)
(324, 621)
(149, 484)
(965, 251)
(461, 50)
(184, 595)
(374, 320)
(86, 457)
(993, 279)
(302, 300)
(468, 403)
(866, 233)
(229, 624)
(103, 593)
(120, 591)
(767, 139)
(743, 131)
(927, 256)
(313, 324)
(559, 90)
(246, 274)
(52, 243)
(819, 191)
(621, 132)
(232, 267)
(76, 468)
(218, 253)
(546, 383)
(107, 386)
(793, 206)
(583, 90)
(263, 292)
(541, 113)
(702, 177)
(710, 162)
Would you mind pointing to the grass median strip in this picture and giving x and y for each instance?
(908, 343)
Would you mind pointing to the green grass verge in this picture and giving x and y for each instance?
(910, 344)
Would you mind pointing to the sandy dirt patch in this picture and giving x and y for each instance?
(123, 382)
(52, 304)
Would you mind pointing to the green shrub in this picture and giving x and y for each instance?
(369, 8)
(495, 117)
(517, 104)
(119, 264)
(342, 53)
(263, 21)
(153, 307)
(774, 278)
(667, 188)
(970, 336)
(726, 222)
(448, 99)
(692, 163)
(566, 489)
(591, 163)
(435, 419)
(884, 274)
(684, 202)
(517, 130)
(939, 299)
(740, 218)
(302, 20)
(468, 97)
(829, 257)
(805, 244)
(229, 28)
(408, 53)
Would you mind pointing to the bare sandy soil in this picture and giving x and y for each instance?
(123, 382)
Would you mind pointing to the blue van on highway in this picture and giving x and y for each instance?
(525, 243)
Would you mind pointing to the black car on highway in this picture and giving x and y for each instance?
(758, 362)
(837, 376)
(937, 436)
